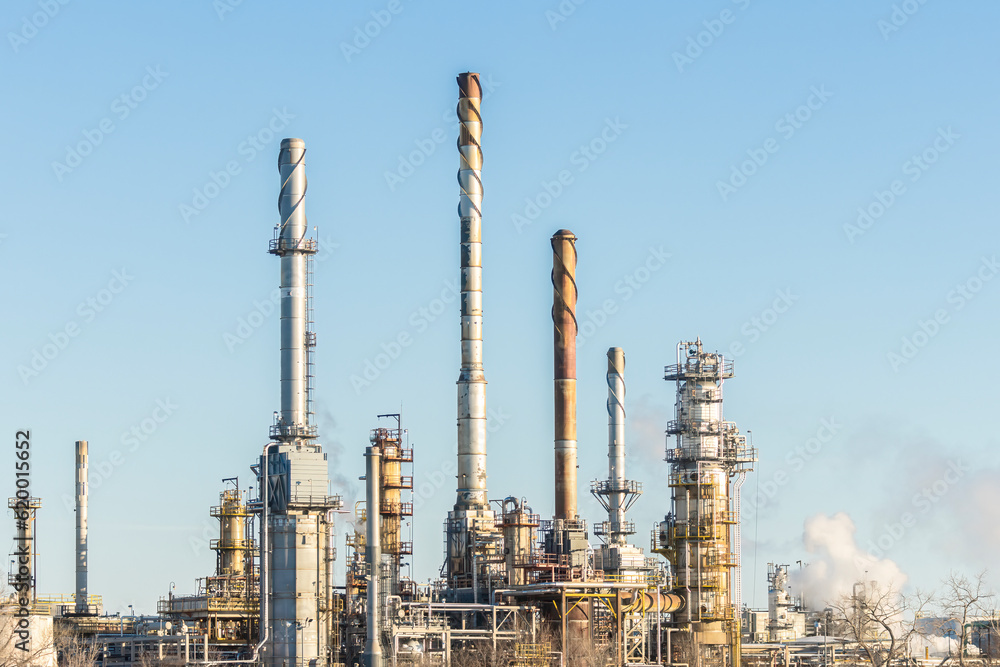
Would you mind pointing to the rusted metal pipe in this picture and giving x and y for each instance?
(564, 294)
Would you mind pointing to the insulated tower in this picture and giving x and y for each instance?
(701, 535)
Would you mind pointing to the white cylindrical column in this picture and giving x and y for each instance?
(81, 526)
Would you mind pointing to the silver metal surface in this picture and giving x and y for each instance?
(294, 469)
(471, 490)
(373, 557)
(292, 246)
(81, 526)
(616, 442)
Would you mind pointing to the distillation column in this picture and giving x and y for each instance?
(81, 526)
(697, 537)
(471, 520)
(295, 466)
(24, 557)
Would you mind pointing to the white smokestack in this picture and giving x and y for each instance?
(81, 526)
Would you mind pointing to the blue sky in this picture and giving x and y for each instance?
(180, 106)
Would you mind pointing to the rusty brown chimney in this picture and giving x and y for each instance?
(564, 329)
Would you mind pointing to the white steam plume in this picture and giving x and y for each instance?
(836, 562)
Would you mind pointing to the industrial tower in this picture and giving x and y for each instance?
(700, 537)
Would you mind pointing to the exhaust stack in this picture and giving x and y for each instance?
(82, 465)
(616, 493)
(294, 469)
(616, 444)
(373, 556)
(294, 249)
(472, 516)
(472, 378)
(564, 295)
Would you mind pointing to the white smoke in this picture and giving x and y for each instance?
(646, 424)
(934, 646)
(836, 562)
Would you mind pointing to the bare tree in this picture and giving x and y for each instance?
(37, 649)
(880, 620)
(963, 599)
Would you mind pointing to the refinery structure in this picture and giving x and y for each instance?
(515, 588)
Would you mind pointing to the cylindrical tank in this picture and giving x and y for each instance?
(232, 514)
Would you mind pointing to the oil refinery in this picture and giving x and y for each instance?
(515, 588)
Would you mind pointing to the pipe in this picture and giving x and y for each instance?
(82, 467)
(373, 556)
(265, 547)
(292, 246)
(472, 378)
(564, 294)
(616, 443)
(331, 557)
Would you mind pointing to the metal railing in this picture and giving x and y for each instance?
(293, 431)
(279, 246)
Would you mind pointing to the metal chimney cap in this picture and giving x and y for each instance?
(564, 233)
(468, 84)
(292, 142)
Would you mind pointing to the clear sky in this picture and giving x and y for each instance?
(714, 158)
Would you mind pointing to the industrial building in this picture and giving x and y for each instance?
(516, 588)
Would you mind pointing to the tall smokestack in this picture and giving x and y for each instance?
(81, 526)
(616, 443)
(373, 557)
(565, 329)
(292, 246)
(294, 469)
(472, 378)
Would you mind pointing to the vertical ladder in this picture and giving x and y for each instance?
(310, 341)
